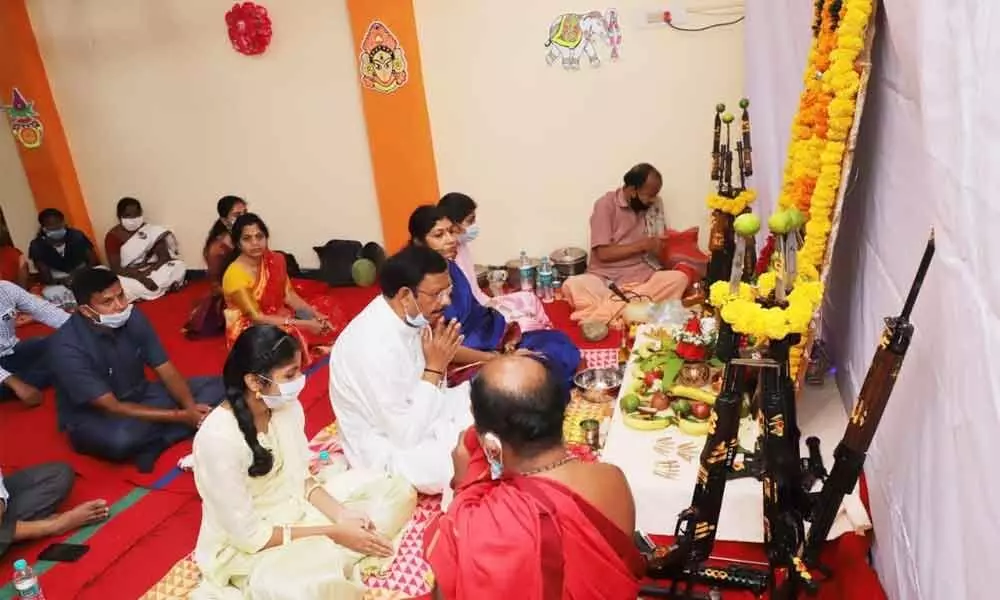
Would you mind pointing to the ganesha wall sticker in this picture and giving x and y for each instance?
(383, 64)
(574, 35)
(24, 122)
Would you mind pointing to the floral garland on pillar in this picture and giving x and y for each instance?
(812, 175)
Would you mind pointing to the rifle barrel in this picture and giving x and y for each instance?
(918, 281)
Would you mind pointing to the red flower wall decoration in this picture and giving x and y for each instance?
(249, 28)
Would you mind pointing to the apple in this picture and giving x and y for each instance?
(700, 410)
(659, 401)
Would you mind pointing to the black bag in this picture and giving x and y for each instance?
(374, 253)
(291, 265)
(335, 261)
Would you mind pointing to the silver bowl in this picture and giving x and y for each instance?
(599, 380)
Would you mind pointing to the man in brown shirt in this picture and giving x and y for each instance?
(624, 244)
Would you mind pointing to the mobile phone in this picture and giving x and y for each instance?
(64, 552)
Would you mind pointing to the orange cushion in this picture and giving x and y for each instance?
(681, 252)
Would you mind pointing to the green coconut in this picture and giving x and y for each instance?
(363, 272)
(747, 224)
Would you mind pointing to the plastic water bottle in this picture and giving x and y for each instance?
(527, 278)
(545, 290)
(25, 582)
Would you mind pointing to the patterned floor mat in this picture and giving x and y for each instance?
(409, 576)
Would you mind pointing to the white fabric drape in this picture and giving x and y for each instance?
(928, 156)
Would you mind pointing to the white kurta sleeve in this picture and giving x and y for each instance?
(220, 472)
(391, 419)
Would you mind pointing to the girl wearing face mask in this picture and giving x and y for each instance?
(58, 251)
(207, 318)
(271, 529)
(524, 308)
(145, 256)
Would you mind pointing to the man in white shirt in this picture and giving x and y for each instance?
(29, 499)
(24, 364)
(387, 376)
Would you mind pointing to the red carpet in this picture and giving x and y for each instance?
(139, 545)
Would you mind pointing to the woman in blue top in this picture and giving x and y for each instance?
(487, 333)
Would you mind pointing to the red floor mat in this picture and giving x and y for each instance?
(152, 556)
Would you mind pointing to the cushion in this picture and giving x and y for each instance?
(681, 253)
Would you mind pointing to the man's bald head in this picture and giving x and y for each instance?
(521, 401)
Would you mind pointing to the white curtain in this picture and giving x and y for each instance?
(929, 156)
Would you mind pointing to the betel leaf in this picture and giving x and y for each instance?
(671, 369)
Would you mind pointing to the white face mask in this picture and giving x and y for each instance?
(114, 320)
(419, 321)
(288, 392)
(471, 232)
(131, 224)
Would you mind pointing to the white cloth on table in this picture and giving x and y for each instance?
(390, 418)
(240, 513)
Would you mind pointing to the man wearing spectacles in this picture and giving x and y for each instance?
(387, 375)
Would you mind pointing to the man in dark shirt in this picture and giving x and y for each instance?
(105, 403)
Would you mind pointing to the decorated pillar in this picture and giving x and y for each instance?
(395, 109)
(31, 117)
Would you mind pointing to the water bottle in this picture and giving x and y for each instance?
(545, 280)
(25, 581)
(526, 272)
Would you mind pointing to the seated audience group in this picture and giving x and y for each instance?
(436, 388)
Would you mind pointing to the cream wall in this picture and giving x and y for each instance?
(536, 145)
(15, 196)
(157, 105)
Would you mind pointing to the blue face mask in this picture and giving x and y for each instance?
(471, 232)
(56, 234)
(419, 321)
(115, 320)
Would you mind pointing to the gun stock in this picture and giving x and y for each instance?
(865, 417)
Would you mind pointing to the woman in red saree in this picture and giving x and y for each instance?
(528, 521)
(257, 290)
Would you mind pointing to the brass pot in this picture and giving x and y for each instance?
(695, 374)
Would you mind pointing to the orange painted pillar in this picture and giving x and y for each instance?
(49, 164)
(395, 109)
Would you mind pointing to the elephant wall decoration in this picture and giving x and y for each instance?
(574, 35)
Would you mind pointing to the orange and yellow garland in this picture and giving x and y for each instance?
(812, 173)
(826, 114)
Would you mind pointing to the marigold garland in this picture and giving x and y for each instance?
(812, 176)
(732, 206)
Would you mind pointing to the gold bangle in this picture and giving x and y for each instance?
(312, 488)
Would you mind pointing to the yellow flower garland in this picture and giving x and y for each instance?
(732, 206)
(816, 154)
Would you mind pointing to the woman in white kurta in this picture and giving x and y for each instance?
(270, 530)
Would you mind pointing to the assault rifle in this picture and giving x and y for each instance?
(865, 417)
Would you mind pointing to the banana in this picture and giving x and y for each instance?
(645, 424)
(695, 428)
(697, 394)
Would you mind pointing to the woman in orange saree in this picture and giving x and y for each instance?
(257, 290)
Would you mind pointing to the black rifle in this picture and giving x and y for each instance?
(868, 409)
